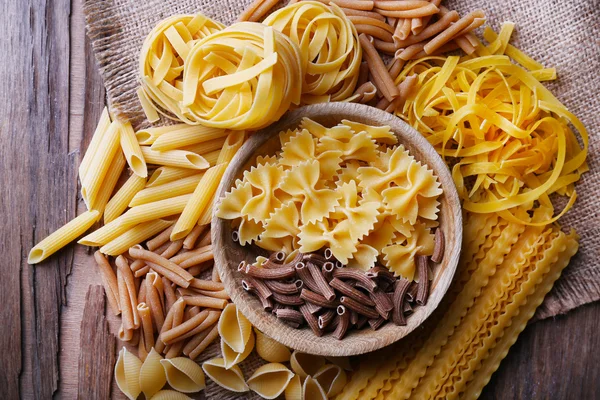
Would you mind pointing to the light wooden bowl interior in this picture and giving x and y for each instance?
(228, 254)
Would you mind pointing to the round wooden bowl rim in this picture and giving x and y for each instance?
(357, 342)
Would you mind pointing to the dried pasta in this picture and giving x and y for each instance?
(312, 390)
(135, 235)
(101, 129)
(270, 380)
(234, 328)
(119, 202)
(304, 364)
(152, 374)
(183, 374)
(170, 395)
(127, 374)
(332, 379)
(232, 357)
(180, 138)
(131, 149)
(167, 190)
(271, 350)
(293, 391)
(231, 379)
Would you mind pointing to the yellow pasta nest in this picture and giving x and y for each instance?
(507, 136)
(163, 55)
(350, 188)
(328, 45)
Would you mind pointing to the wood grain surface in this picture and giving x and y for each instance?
(52, 96)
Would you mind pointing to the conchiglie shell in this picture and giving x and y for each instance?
(127, 374)
(293, 391)
(184, 374)
(332, 379)
(342, 361)
(170, 395)
(234, 328)
(311, 390)
(271, 350)
(270, 380)
(152, 374)
(306, 364)
(231, 379)
(231, 357)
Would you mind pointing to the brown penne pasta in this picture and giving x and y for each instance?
(382, 78)
(174, 350)
(170, 297)
(127, 275)
(178, 307)
(205, 239)
(375, 31)
(211, 319)
(285, 288)
(197, 259)
(324, 289)
(383, 304)
(290, 315)
(387, 47)
(343, 323)
(206, 285)
(400, 289)
(438, 247)
(205, 301)
(264, 273)
(214, 275)
(109, 281)
(126, 311)
(163, 266)
(347, 273)
(311, 320)
(153, 301)
(364, 20)
(147, 327)
(362, 13)
(317, 299)
(402, 30)
(364, 5)
(137, 265)
(169, 336)
(452, 31)
(306, 277)
(173, 249)
(190, 240)
(427, 10)
(288, 299)
(360, 308)
(160, 239)
(423, 286)
(398, 5)
(221, 294)
(142, 272)
(251, 284)
(325, 319)
(352, 292)
(197, 269)
(210, 337)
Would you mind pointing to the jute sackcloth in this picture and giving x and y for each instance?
(562, 34)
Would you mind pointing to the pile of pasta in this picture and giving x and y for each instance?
(300, 376)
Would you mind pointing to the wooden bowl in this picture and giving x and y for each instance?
(228, 254)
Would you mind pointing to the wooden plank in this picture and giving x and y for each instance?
(97, 348)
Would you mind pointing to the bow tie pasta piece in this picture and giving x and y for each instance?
(364, 257)
(418, 197)
(283, 222)
(400, 256)
(264, 180)
(243, 77)
(382, 234)
(234, 201)
(348, 173)
(301, 147)
(360, 147)
(395, 171)
(382, 134)
(162, 59)
(301, 183)
(286, 244)
(362, 217)
(329, 48)
(336, 236)
(285, 136)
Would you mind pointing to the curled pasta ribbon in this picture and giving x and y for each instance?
(163, 56)
(510, 135)
(243, 77)
(329, 48)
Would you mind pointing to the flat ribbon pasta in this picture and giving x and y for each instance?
(329, 48)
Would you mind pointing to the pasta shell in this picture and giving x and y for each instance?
(231, 379)
(231, 357)
(170, 395)
(127, 374)
(270, 380)
(152, 374)
(184, 374)
(312, 390)
(306, 364)
(234, 328)
(342, 361)
(332, 379)
(293, 391)
(271, 350)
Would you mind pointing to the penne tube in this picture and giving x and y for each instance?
(449, 33)
(175, 158)
(172, 249)
(205, 301)
(100, 164)
(363, 20)
(232, 144)
(136, 265)
(402, 30)
(195, 341)
(416, 25)
(109, 281)
(160, 239)
(131, 149)
(385, 47)
(170, 297)
(425, 11)
(396, 67)
(190, 240)
(142, 271)
(174, 350)
(212, 157)
(362, 13)
(206, 285)
(124, 335)
(198, 202)
(179, 258)
(187, 137)
(211, 319)
(119, 202)
(136, 215)
(178, 307)
(394, 5)
(382, 78)
(135, 235)
(375, 31)
(154, 302)
(151, 113)
(221, 294)
(205, 240)
(147, 327)
(432, 30)
(126, 310)
(92, 148)
(110, 182)
(206, 147)
(206, 215)
(62, 236)
(149, 136)
(465, 44)
(163, 175)
(176, 275)
(127, 275)
(169, 336)
(210, 337)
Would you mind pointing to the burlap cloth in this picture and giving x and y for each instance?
(562, 34)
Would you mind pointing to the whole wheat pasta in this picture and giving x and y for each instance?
(317, 299)
(359, 276)
(284, 288)
(147, 329)
(410, 52)
(324, 288)
(171, 335)
(377, 68)
(211, 319)
(423, 288)
(221, 294)
(424, 11)
(364, 93)
(165, 265)
(215, 275)
(160, 239)
(174, 350)
(264, 273)
(126, 310)
(212, 335)
(124, 335)
(306, 277)
(311, 320)
(154, 301)
(177, 308)
(205, 240)
(431, 30)
(205, 301)
(142, 292)
(190, 240)
(288, 299)
(127, 275)
(109, 281)
(375, 323)
(383, 304)
(464, 44)
(416, 25)
(363, 74)
(258, 285)
(360, 308)
(395, 67)
(375, 31)
(170, 297)
(362, 13)
(364, 5)
(197, 269)
(402, 30)
(426, 19)
(206, 285)
(142, 271)
(449, 33)
(289, 315)
(387, 47)
(395, 5)
(195, 341)
(406, 87)
(364, 20)
(325, 319)
(197, 259)
(343, 323)
(181, 257)
(450, 46)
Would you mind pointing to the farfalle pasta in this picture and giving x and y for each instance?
(329, 48)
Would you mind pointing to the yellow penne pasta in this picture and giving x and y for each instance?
(148, 136)
(188, 136)
(198, 202)
(131, 149)
(99, 133)
(100, 164)
(135, 235)
(206, 215)
(212, 157)
(110, 182)
(118, 203)
(205, 147)
(232, 144)
(167, 190)
(136, 215)
(151, 114)
(164, 175)
(62, 236)
(175, 158)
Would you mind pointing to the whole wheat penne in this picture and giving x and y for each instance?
(477, 22)
(199, 200)
(179, 258)
(169, 336)
(262, 10)
(141, 296)
(205, 240)
(172, 249)
(127, 275)
(215, 275)
(187, 137)
(174, 350)
(406, 87)
(131, 149)
(175, 158)
(119, 202)
(178, 308)
(160, 239)
(195, 341)
(364, 5)
(377, 68)
(385, 47)
(147, 327)
(62, 236)
(410, 52)
(416, 25)
(142, 271)
(212, 335)
(364, 93)
(206, 285)
(197, 259)
(139, 253)
(126, 310)
(135, 235)
(449, 33)
(363, 20)
(424, 11)
(464, 44)
(395, 5)
(136, 265)
(172, 276)
(395, 68)
(221, 294)
(432, 30)
(205, 301)
(374, 31)
(166, 191)
(109, 281)
(170, 297)
(391, 21)
(450, 46)
(362, 13)
(163, 175)
(363, 73)
(428, 18)
(124, 335)
(402, 29)
(154, 302)
(213, 317)
(190, 240)
(197, 269)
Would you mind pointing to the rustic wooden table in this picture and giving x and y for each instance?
(53, 342)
